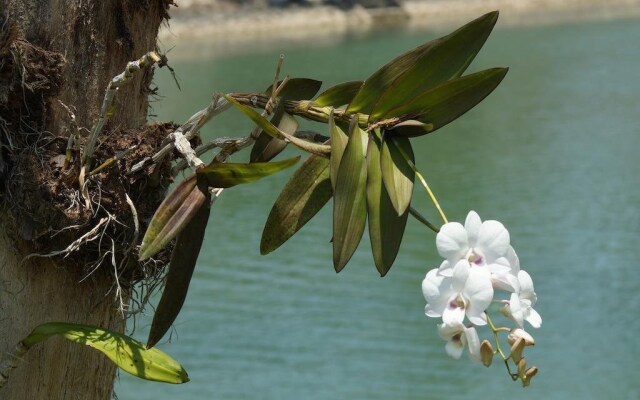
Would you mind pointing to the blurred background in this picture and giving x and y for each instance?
(552, 153)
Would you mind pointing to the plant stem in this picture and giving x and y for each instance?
(430, 193)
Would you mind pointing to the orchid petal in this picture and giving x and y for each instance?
(429, 311)
(431, 285)
(453, 315)
(460, 275)
(472, 225)
(447, 331)
(500, 266)
(526, 287)
(454, 349)
(479, 291)
(515, 310)
(452, 242)
(493, 240)
(446, 268)
(505, 281)
(435, 289)
(473, 342)
(513, 260)
(534, 318)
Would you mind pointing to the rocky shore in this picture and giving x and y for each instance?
(233, 23)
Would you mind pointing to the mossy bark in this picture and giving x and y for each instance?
(95, 39)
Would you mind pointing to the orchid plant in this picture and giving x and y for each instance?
(367, 166)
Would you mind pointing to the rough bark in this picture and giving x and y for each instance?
(96, 38)
(40, 292)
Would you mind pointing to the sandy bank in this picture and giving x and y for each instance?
(192, 22)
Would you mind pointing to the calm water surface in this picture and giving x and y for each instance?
(553, 153)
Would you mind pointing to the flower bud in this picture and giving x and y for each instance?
(522, 365)
(520, 333)
(530, 373)
(516, 349)
(486, 353)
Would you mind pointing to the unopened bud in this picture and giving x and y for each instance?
(520, 333)
(486, 353)
(504, 310)
(516, 349)
(530, 373)
(522, 365)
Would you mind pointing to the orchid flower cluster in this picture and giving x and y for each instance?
(479, 263)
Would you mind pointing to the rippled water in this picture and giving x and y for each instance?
(553, 153)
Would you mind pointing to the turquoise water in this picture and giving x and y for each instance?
(552, 154)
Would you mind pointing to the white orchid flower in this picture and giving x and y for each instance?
(458, 337)
(520, 307)
(468, 291)
(483, 244)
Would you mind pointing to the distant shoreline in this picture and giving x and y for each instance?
(233, 27)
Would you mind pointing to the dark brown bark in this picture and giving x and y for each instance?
(96, 38)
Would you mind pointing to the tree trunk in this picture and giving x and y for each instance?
(96, 38)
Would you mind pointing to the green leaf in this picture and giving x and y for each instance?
(421, 68)
(225, 175)
(411, 128)
(385, 226)
(269, 128)
(397, 174)
(297, 89)
(338, 95)
(349, 207)
(308, 190)
(127, 353)
(172, 215)
(183, 262)
(339, 141)
(443, 104)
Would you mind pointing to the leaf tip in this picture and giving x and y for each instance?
(339, 264)
(184, 377)
(265, 248)
(144, 253)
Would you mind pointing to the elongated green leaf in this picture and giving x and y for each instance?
(338, 95)
(397, 174)
(127, 353)
(225, 175)
(297, 89)
(349, 207)
(172, 215)
(314, 148)
(445, 103)
(339, 141)
(183, 262)
(411, 128)
(308, 190)
(385, 226)
(422, 68)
